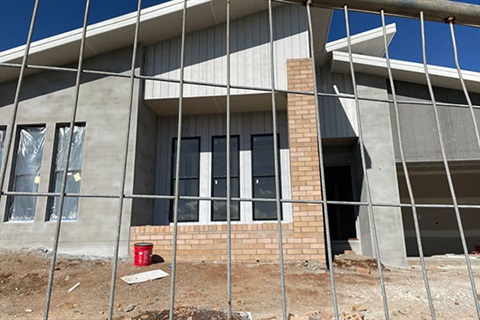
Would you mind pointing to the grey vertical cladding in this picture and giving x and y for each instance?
(205, 126)
(338, 115)
(205, 55)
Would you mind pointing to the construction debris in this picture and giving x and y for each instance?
(144, 276)
(352, 316)
(359, 307)
(74, 287)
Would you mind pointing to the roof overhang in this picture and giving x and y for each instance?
(369, 43)
(406, 71)
(158, 23)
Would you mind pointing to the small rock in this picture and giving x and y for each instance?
(359, 307)
(130, 308)
(361, 270)
(145, 316)
(456, 302)
(28, 310)
(102, 312)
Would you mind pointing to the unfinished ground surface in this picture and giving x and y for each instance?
(255, 287)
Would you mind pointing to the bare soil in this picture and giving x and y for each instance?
(201, 289)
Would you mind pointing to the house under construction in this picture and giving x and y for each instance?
(124, 139)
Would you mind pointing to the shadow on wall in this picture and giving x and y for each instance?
(48, 82)
(249, 32)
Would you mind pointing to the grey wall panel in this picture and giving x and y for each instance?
(250, 58)
(206, 126)
(48, 98)
(419, 130)
(338, 115)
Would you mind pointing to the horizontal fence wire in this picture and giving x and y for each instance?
(432, 10)
(259, 89)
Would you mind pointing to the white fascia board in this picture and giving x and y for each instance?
(371, 41)
(73, 36)
(405, 71)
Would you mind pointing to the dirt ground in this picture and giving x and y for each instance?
(201, 289)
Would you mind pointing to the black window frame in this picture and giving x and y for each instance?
(54, 172)
(13, 174)
(274, 217)
(213, 176)
(172, 180)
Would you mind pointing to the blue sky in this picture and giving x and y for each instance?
(57, 16)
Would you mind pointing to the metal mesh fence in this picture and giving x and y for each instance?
(462, 14)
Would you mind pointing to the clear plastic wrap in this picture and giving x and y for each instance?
(74, 172)
(26, 177)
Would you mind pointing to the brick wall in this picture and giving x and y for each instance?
(304, 162)
(303, 238)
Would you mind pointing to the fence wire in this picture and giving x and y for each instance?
(370, 204)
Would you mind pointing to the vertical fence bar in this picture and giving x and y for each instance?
(67, 163)
(405, 170)
(321, 162)
(276, 163)
(371, 216)
(229, 200)
(125, 163)
(447, 169)
(177, 163)
(9, 136)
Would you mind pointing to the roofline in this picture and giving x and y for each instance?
(406, 71)
(371, 34)
(105, 26)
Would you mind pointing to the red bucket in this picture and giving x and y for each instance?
(143, 254)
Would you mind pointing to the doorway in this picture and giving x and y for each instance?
(342, 218)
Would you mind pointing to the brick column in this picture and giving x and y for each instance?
(304, 163)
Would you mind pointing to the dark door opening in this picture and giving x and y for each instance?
(338, 180)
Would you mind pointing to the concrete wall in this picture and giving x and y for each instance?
(419, 129)
(48, 98)
(381, 170)
(145, 165)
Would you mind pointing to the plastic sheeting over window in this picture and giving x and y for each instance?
(74, 172)
(26, 176)
(2, 141)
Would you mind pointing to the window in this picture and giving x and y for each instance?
(26, 172)
(3, 131)
(219, 178)
(74, 172)
(263, 177)
(188, 178)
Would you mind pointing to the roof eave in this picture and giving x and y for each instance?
(406, 71)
